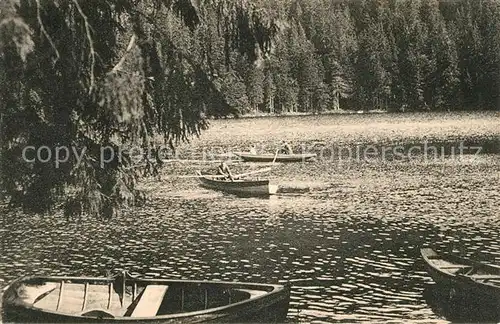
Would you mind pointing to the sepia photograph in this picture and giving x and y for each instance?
(250, 161)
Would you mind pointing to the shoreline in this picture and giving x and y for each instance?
(324, 113)
(343, 113)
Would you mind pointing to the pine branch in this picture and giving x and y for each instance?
(130, 46)
(91, 44)
(44, 31)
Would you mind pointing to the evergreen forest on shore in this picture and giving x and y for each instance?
(395, 55)
(391, 55)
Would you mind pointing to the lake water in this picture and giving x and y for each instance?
(345, 231)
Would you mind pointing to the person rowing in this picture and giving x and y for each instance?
(285, 148)
(224, 170)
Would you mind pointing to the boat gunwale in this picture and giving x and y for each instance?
(239, 187)
(468, 279)
(277, 289)
(236, 182)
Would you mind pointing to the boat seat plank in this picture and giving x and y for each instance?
(85, 295)
(72, 298)
(150, 301)
(98, 298)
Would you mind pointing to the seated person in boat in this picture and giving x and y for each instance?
(285, 148)
(253, 150)
(223, 169)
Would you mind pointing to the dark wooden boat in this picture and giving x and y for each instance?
(276, 157)
(462, 274)
(239, 187)
(127, 299)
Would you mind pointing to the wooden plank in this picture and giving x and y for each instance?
(97, 296)
(150, 301)
(60, 295)
(85, 294)
(105, 298)
(485, 276)
(72, 298)
(110, 294)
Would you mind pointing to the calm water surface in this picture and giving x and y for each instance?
(346, 235)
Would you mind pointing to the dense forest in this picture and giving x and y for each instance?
(83, 79)
(392, 55)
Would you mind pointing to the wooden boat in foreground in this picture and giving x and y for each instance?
(463, 274)
(127, 299)
(276, 157)
(239, 187)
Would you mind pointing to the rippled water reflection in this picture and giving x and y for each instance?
(346, 236)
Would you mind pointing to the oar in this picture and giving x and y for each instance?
(275, 156)
(252, 172)
(202, 176)
(208, 175)
(196, 161)
(199, 175)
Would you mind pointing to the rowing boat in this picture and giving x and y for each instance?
(239, 187)
(276, 157)
(124, 298)
(463, 274)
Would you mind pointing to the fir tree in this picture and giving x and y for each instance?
(102, 76)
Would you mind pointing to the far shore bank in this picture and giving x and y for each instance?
(328, 112)
(346, 112)
(291, 114)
